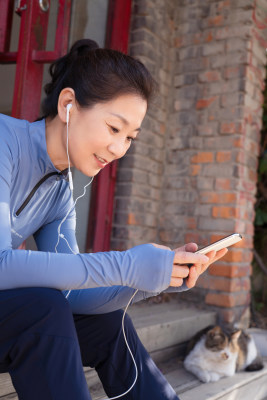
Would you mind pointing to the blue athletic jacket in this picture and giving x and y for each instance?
(34, 198)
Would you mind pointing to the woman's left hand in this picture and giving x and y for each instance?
(196, 270)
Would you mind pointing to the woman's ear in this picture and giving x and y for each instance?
(66, 96)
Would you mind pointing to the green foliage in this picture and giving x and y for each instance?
(262, 166)
(261, 203)
(259, 279)
(261, 217)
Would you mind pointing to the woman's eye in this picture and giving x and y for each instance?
(115, 130)
(130, 139)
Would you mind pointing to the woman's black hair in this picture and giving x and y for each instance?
(96, 75)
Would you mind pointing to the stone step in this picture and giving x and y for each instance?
(165, 328)
(242, 386)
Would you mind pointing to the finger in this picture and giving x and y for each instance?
(180, 271)
(191, 247)
(192, 278)
(211, 254)
(200, 268)
(221, 253)
(215, 257)
(176, 282)
(184, 257)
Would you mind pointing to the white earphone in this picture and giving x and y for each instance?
(68, 112)
(69, 172)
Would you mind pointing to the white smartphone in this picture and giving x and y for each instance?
(221, 244)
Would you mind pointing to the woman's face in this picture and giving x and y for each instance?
(104, 133)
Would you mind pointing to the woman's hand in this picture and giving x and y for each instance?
(199, 266)
(186, 255)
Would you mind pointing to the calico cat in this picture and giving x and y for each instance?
(213, 354)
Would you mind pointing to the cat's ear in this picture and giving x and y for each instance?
(235, 335)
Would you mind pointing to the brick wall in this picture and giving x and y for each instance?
(139, 181)
(192, 176)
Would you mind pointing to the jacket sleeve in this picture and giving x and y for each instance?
(144, 267)
(94, 300)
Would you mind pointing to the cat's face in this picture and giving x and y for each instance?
(218, 341)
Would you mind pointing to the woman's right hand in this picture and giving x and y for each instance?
(183, 256)
(180, 269)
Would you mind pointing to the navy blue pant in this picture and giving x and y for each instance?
(44, 347)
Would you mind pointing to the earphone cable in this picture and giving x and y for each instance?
(128, 347)
(60, 235)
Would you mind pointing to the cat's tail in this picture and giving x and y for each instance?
(256, 365)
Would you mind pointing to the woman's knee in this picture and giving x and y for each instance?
(54, 311)
(42, 310)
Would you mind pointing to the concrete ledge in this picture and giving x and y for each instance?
(242, 386)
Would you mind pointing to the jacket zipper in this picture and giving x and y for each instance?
(36, 187)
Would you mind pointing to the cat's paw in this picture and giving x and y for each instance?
(214, 377)
(204, 376)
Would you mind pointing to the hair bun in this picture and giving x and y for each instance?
(83, 46)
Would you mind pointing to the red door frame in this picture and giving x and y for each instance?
(102, 198)
(31, 54)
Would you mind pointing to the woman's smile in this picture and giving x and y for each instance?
(101, 161)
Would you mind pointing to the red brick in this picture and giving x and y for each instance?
(192, 238)
(222, 184)
(204, 103)
(253, 176)
(229, 284)
(225, 212)
(239, 142)
(223, 156)
(203, 157)
(220, 284)
(240, 226)
(234, 256)
(228, 270)
(209, 76)
(209, 37)
(223, 4)
(234, 72)
(247, 185)
(215, 21)
(254, 148)
(227, 300)
(191, 223)
(218, 198)
(248, 256)
(241, 157)
(195, 169)
(132, 219)
(220, 300)
(162, 128)
(228, 127)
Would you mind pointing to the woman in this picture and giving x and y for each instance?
(46, 332)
